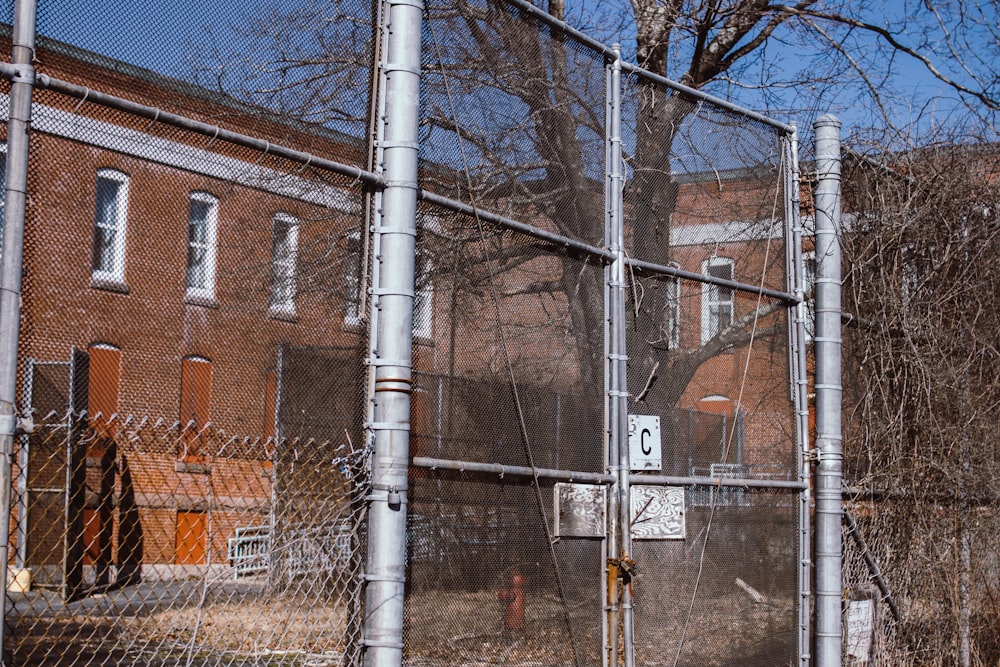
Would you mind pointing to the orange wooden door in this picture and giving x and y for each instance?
(192, 539)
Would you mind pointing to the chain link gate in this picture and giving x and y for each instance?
(515, 484)
(194, 340)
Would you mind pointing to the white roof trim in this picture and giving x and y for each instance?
(134, 143)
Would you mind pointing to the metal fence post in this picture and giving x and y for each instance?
(392, 339)
(18, 127)
(828, 394)
(621, 547)
(800, 389)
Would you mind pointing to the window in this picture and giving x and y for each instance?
(196, 398)
(352, 280)
(672, 314)
(423, 303)
(203, 213)
(809, 287)
(102, 389)
(284, 250)
(716, 300)
(110, 217)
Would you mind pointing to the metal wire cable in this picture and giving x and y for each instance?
(501, 335)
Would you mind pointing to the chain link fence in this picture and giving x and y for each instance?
(194, 344)
(519, 111)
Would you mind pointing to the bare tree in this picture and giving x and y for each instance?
(514, 121)
(515, 115)
(923, 396)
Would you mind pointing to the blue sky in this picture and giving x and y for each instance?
(161, 35)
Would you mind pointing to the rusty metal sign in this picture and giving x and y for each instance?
(580, 509)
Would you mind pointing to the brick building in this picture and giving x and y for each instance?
(199, 296)
(199, 305)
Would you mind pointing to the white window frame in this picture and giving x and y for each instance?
(116, 273)
(207, 290)
(352, 280)
(423, 303)
(284, 268)
(711, 302)
(809, 289)
(673, 319)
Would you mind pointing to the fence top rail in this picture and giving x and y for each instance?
(609, 53)
(785, 297)
(10, 72)
(514, 225)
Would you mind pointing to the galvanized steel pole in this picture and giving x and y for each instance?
(16, 185)
(828, 394)
(393, 294)
(799, 363)
(617, 383)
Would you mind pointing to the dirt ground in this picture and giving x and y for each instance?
(241, 625)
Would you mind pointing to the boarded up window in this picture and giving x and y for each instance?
(270, 398)
(270, 415)
(102, 388)
(196, 397)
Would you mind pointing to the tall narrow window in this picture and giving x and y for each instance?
(352, 279)
(196, 398)
(284, 251)
(423, 300)
(102, 388)
(809, 285)
(203, 212)
(672, 314)
(110, 218)
(716, 300)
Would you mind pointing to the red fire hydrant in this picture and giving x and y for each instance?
(513, 595)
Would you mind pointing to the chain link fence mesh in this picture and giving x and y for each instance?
(711, 360)
(139, 561)
(193, 348)
(192, 352)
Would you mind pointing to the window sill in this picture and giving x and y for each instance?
(203, 301)
(283, 313)
(107, 285)
(423, 341)
(193, 468)
(354, 324)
